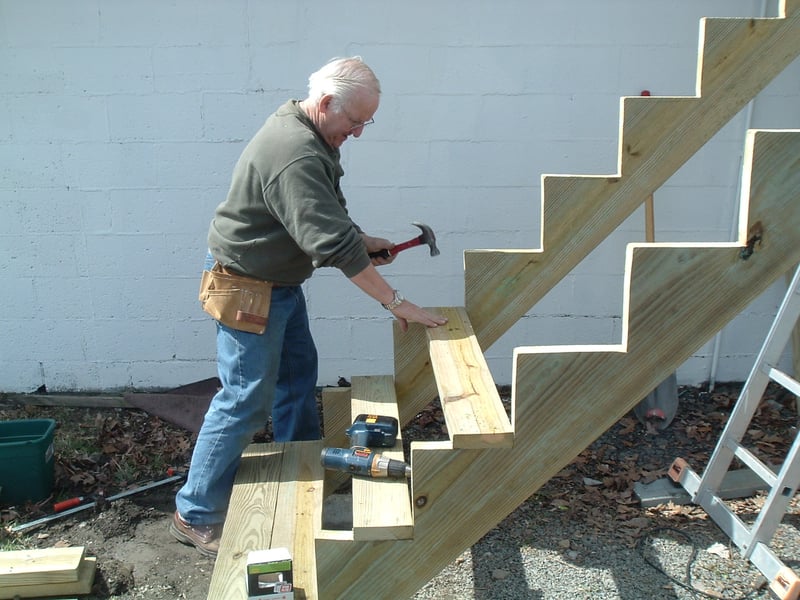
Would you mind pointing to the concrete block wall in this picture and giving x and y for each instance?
(120, 123)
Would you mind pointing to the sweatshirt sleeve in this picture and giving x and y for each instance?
(307, 202)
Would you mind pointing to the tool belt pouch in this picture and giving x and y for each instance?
(236, 301)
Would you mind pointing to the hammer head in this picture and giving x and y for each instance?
(427, 237)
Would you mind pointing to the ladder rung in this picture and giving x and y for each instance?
(766, 474)
(785, 380)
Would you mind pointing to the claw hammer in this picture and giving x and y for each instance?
(427, 237)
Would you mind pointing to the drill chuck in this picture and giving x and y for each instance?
(360, 460)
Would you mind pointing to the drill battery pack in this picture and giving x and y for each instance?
(374, 431)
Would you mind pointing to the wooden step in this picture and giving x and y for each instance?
(276, 502)
(381, 507)
(475, 415)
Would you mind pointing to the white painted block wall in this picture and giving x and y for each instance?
(120, 123)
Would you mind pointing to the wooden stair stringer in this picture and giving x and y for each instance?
(677, 297)
(738, 58)
(657, 136)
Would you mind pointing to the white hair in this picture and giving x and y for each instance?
(341, 78)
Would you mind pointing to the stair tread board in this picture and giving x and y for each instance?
(299, 512)
(276, 502)
(381, 507)
(470, 402)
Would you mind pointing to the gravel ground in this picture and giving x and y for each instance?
(574, 541)
(538, 557)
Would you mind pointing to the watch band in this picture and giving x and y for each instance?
(397, 300)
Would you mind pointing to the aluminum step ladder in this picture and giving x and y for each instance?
(753, 541)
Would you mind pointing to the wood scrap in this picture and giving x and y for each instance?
(81, 587)
(48, 565)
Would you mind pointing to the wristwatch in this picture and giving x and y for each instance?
(397, 300)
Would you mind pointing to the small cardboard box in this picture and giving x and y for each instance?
(269, 574)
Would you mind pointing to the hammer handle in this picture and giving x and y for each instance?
(398, 248)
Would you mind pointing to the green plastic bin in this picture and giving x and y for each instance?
(27, 463)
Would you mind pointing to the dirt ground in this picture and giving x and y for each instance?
(138, 559)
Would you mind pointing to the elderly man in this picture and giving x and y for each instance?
(283, 217)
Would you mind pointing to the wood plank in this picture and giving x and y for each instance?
(674, 305)
(66, 400)
(475, 415)
(276, 502)
(82, 586)
(299, 513)
(250, 517)
(336, 417)
(414, 381)
(47, 565)
(381, 507)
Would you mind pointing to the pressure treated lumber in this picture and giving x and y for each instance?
(381, 507)
(553, 423)
(46, 565)
(336, 415)
(475, 415)
(276, 502)
(738, 58)
(658, 135)
(677, 297)
(80, 587)
(336, 419)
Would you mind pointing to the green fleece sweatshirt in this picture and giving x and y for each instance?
(285, 214)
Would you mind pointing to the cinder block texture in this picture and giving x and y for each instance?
(120, 124)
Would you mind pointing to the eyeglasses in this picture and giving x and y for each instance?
(356, 124)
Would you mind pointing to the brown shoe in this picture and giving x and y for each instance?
(203, 537)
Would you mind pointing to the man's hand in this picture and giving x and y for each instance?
(375, 244)
(375, 286)
(409, 312)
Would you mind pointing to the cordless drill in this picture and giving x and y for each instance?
(360, 460)
(367, 430)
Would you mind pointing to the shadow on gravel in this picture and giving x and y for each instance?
(585, 535)
(539, 555)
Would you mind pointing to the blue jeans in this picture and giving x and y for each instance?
(276, 373)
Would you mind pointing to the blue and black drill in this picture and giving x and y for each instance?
(367, 432)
